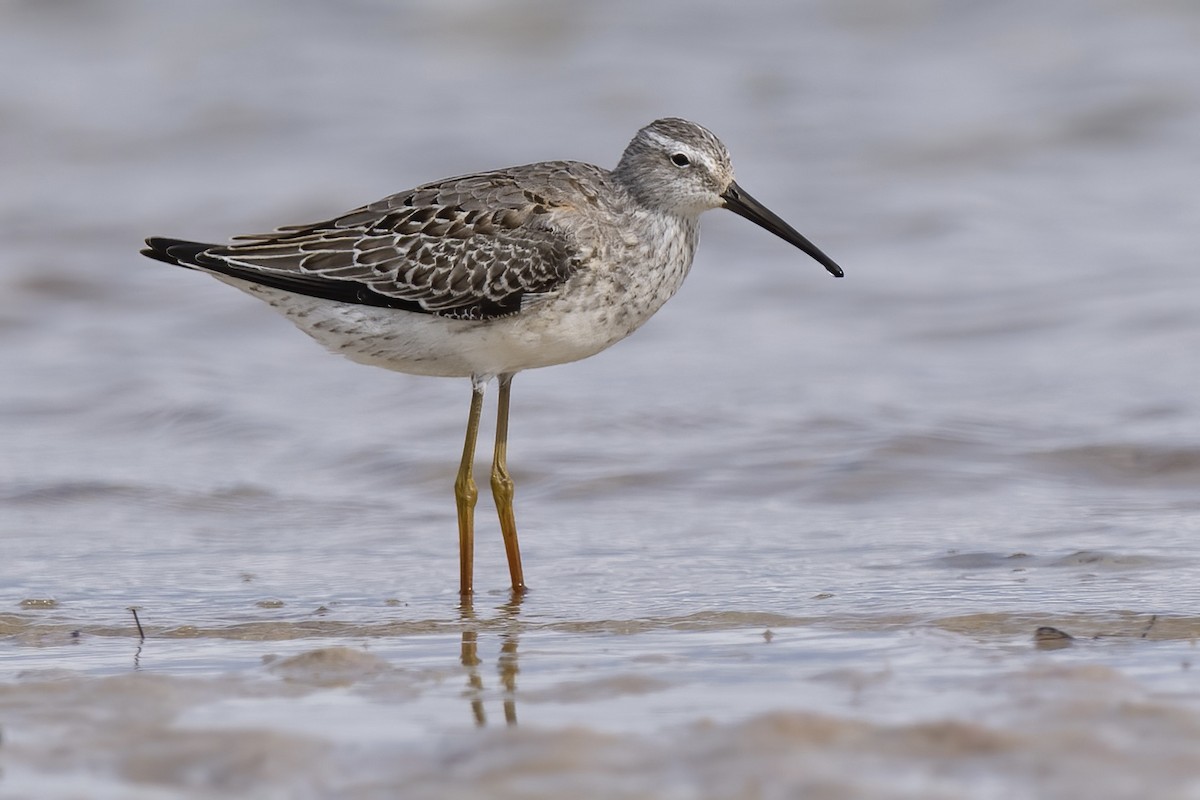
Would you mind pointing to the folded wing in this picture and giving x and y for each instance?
(475, 247)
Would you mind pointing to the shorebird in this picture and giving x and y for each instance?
(482, 276)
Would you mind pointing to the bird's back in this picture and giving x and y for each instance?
(470, 247)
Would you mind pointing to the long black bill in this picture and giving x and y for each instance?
(739, 202)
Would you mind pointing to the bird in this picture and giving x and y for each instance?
(482, 276)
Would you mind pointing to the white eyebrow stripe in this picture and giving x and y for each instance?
(672, 144)
(663, 140)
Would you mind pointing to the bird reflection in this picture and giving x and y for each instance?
(506, 664)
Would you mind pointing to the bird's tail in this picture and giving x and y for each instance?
(178, 252)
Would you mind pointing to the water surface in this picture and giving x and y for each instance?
(795, 537)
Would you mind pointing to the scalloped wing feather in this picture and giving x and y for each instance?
(474, 247)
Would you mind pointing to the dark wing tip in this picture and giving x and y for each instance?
(148, 253)
(178, 252)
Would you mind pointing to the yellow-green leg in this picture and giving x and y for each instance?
(465, 495)
(502, 489)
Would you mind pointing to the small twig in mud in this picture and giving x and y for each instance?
(1149, 625)
(138, 622)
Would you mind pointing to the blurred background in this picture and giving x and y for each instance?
(992, 417)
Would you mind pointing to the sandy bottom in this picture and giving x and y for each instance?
(717, 704)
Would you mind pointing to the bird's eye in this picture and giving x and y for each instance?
(680, 160)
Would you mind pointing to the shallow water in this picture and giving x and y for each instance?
(795, 537)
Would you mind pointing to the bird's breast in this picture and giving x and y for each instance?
(629, 276)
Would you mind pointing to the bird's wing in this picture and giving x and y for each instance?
(473, 247)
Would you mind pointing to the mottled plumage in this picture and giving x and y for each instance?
(489, 274)
(465, 248)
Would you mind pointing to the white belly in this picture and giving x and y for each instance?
(577, 323)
